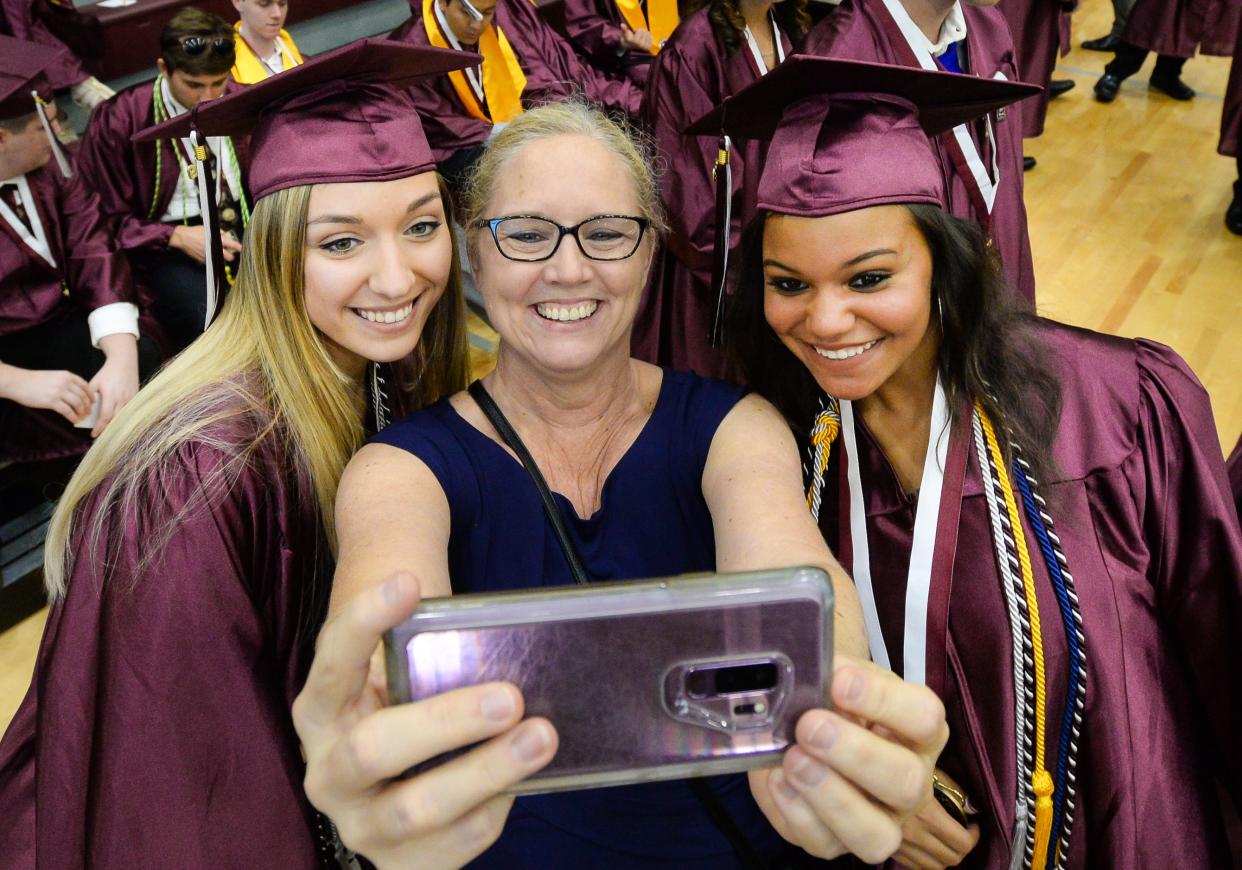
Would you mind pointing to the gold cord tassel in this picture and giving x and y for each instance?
(1042, 782)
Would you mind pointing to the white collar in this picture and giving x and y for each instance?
(170, 102)
(953, 29)
(36, 241)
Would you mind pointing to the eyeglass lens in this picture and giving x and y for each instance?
(603, 238)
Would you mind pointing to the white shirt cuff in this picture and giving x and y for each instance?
(112, 319)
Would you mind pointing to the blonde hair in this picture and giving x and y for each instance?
(262, 361)
(569, 118)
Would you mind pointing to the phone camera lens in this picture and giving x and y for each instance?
(746, 678)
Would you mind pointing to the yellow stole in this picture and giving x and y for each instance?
(663, 15)
(248, 69)
(503, 79)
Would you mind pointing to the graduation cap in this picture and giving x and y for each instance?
(24, 87)
(844, 135)
(340, 117)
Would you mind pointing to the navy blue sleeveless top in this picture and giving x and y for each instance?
(652, 521)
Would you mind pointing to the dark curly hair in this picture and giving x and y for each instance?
(729, 27)
(990, 347)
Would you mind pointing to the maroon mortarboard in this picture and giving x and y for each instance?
(845, 135)
(339, 117)
(24, 86)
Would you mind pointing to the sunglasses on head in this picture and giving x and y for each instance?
(193, 46)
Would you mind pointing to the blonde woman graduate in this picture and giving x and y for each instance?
(1037, 517)
(189, 560)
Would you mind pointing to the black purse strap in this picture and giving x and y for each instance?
(498, 420)
(716, 811)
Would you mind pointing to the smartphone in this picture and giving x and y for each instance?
(643, 680)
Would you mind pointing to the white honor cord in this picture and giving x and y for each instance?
(472, 73)
(209, 230)
(754, 46)
(926, 519)
(65, 169)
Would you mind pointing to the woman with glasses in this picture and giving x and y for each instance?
(655, 473)
(189, 559)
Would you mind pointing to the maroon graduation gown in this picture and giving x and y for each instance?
(594, 26)
(1231, 115)
(1143, 511)
(1234, 466)
(860, 30)
(1178, 27)
(691, 75)
(1040, 29)
(157, 729)
(553, 73)
(89, 274)
(124, 173)
(17, 20)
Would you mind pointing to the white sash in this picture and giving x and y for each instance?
(926, 518)
(753, 45)
(37, 241)
(918, 43)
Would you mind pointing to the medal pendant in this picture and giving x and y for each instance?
(228, 214)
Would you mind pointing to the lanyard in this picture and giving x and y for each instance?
(934, 546)
(472, 73)
(757, 55)
(34, 238)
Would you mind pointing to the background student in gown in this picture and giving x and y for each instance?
(1039, 515)
(525, 63)
(722, 47)
(20, 19)
(621, 36)
(1231, 133)
(69, 322)
(147, 192)
(1040, 31)
(189, 559)
(263, 47)
(981, 162)
(1175, 30)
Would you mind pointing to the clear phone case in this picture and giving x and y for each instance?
(644, 680)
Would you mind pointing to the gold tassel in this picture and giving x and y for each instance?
(1042, 783)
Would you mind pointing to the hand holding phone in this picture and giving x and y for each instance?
(858, 771)
(644, 680)
(354, 746)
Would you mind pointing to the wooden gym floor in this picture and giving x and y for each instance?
(1126, 213)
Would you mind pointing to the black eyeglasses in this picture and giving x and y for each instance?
(193, 46)
(532, 239)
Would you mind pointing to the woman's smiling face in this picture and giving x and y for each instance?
(848, 294)
(378, 257)
(569, 312)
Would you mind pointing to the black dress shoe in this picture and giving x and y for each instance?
(1173, 86)
(1233, 214)
(1104, 43)
(1106, 88)
(1028, 163)
(1056, 87)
